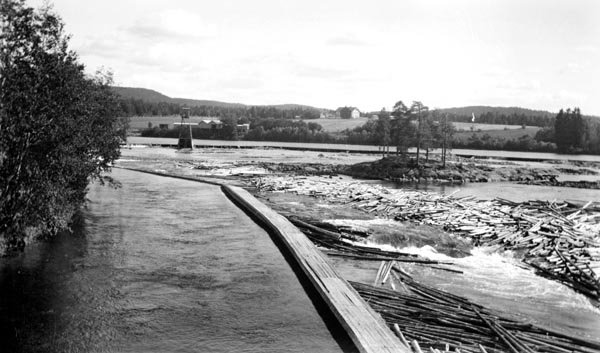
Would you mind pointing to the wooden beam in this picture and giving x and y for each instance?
(365, 327)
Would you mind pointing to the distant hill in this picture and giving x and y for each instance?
(482, 109)
(204, 102)
(141, 93)
(152, 96)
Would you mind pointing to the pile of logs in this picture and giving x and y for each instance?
(561, 240)
(423, 316)
(343, 244)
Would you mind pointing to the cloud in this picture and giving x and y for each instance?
(571, 68)
(347, 40)
(240, 83)
(519, 85)
(589, 49)
(569, 96)
(320, 71)
(173, 24)
(101, 47)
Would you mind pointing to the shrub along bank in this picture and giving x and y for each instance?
(59, 127)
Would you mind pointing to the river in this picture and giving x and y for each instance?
(535, 156)
(507, 190)
(160, 265)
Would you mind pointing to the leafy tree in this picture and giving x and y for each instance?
(402, 129)
(345, 112)
(400, 109)
(58, 128)
(428, 133)
(420, 111)
(314, 127)
(569, 130)
(382, 131)
(545, 134)
(229, 129)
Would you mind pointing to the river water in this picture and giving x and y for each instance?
(136, 140)
(507, 190)
(498, 280)
(160, 265)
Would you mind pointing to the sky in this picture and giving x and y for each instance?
(539, 54)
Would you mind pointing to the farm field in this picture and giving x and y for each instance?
(484, 127)
(141, 122)
(508, 134)
(337, 125)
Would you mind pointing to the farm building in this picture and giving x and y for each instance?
(210, 124)
(242, 128)
(347, 113)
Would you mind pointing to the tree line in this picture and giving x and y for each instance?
(130, 107)
(269, 129)
(571, 132)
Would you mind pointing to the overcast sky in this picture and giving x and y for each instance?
(540, 54)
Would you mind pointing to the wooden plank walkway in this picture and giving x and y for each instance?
(366, 328)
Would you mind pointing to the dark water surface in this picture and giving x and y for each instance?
(370, 148)
(160, 265)
(507, 190)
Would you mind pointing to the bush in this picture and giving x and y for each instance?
(59, 127)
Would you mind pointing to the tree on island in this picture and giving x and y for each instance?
(59, 127)
(382, 131)
(420, 112)
(402, 130)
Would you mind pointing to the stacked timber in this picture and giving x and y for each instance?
(561, 240)
(438, 321)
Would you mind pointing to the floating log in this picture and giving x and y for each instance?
(537, 227)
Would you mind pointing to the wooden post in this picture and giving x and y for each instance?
(418, 134)
(444, 141)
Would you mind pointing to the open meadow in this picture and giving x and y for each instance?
(508, 134)
(338, 125)
(142, 122)
(484, 127)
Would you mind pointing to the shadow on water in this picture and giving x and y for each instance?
(141, 274)
(34, 304)
(331, 322)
